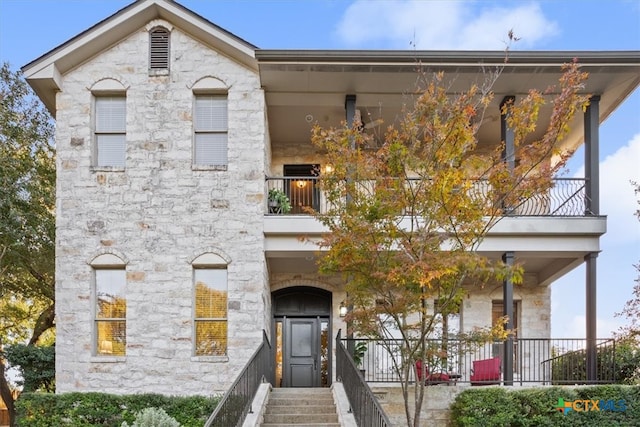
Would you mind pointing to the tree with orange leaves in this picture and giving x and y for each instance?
(405, 220)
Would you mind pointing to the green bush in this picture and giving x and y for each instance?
(107, 410)
(500, 406)
(492, 406)
(153, 417)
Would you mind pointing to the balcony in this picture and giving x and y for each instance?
(542, 361)
(550, 233)
(567, 197)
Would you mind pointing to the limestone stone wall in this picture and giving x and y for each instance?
(303, 153)
(158, 215)
(534, 305)
(435, 405)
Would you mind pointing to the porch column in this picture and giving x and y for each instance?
(509, 157)
(592, 156)
(507, 310)
(350, 113)
(592, 207)
(592, 353)
(508, 139)
(350, 109)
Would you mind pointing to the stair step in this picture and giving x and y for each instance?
(301, 407)
(297, 409)
(302, 392)
(297, 419)
(292, 401)
(301, 425)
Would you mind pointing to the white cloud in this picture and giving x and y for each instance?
(437, 25)
(617, 198)
(577, 327)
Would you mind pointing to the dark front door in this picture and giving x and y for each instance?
(302, 354)
(302, 344)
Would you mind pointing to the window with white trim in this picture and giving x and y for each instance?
(110, 311)
(158, 49)
(210, 131)
(210, 311)
(110, 131)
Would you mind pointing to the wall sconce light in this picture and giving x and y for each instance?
(343, 309)
(328, 169)
(301, 184)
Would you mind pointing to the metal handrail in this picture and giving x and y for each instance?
(236, 402)
(535, 360)
(566, 197)
(570, 367)
(364, 405)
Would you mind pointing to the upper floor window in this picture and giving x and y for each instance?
(210, 131)
(110, 131)
(159, 49)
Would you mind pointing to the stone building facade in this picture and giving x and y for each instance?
(158, 214)
(152, 241)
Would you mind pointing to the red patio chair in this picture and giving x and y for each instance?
(431, 379)
(486, 371)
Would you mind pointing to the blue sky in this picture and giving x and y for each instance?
(30, 28)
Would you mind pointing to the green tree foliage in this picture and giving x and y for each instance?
(37, 366)
(406, 219)
(27, 222)
(629, 356)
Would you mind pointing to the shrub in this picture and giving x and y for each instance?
(107, 410)
(496, 406)
(153, 417)
(492, 406)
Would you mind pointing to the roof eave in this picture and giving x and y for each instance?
(472, 58)
(44, 73)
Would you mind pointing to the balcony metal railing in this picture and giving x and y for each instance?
(569, 366)
(566, 198)
(536, 360)
(236, 403)
(365, 407)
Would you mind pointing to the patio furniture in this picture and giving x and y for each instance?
(486, 371)
(431, 378)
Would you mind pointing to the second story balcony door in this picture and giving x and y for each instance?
(300, 186)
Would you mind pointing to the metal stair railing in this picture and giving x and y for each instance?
(364, 405)
(236, 402)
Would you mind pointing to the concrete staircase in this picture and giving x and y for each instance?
(302, 407)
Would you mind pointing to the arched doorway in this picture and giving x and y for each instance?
(302, 326)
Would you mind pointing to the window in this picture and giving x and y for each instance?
(110, 133)
(497, 310)
(159, 49)
(210, 128)
(210, 311)
(110, 312)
